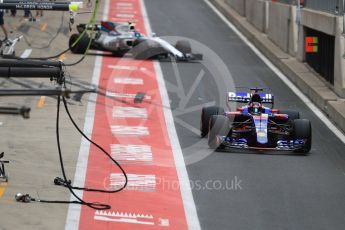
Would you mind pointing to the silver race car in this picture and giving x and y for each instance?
(123, 38)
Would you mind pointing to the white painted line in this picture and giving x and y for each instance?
(129, 80)
(126, 11)
(122, 220)
(125, 15)
(132, 154)
(73, 214)
(124, 8)
(129, 112)
(117, 19)
(129, 130)
(26, 53)
(136, 182)
(123, 214)
(124, 67)
(186, 192)
(124, 95)
(128, 4)
(124, 217)
(298, 92)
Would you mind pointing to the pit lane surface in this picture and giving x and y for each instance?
(273, 191)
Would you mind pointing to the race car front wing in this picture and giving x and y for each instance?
(282, 145)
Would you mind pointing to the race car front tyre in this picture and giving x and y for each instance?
(81, 46)
(219, 125)
(293, 115)
(302, 131)
(206, 114)
(184, 46)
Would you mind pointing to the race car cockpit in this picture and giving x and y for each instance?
(255, 106)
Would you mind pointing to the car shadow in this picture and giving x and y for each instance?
(261, 152)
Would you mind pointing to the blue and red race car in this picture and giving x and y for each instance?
(255, 126)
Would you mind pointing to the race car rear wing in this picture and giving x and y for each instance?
(244, 97)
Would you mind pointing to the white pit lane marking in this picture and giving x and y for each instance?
(122, 20)
(125, 67)
(129, 80)
(120, 8)
(129, 130)
(125, 15)
(136, 182)
(124, 95)
(124, 217)
(128, 4)
(132, 154)
(129, 112)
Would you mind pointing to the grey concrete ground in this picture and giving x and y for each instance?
(277, 191)
(30, 144)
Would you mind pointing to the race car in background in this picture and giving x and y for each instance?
(254, 126)
(123, 38)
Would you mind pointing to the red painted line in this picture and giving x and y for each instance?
(152, 199)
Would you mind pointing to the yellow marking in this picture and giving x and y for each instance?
(41, 102)
(62, 57)
(44, 26)
(2, 189)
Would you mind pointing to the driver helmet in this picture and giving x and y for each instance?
(255, 108)
(255, 105)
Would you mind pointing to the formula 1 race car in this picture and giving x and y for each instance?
(255, 126)
(120, 38)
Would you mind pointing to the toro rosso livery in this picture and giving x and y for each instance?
(120, 38)
(255, 126)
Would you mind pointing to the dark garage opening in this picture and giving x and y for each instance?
(323, 60)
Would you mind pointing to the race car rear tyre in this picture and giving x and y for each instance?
(184, 46)
(81, 46)
(147, 50)
(293, 115)
(302, 130)
(206, 114)
(219, 125)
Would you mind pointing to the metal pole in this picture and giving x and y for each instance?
(34, 92)
(28, 2)
(37, 72)
(23, 111)
(36, 6)
(30, 5)
(29, 63)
